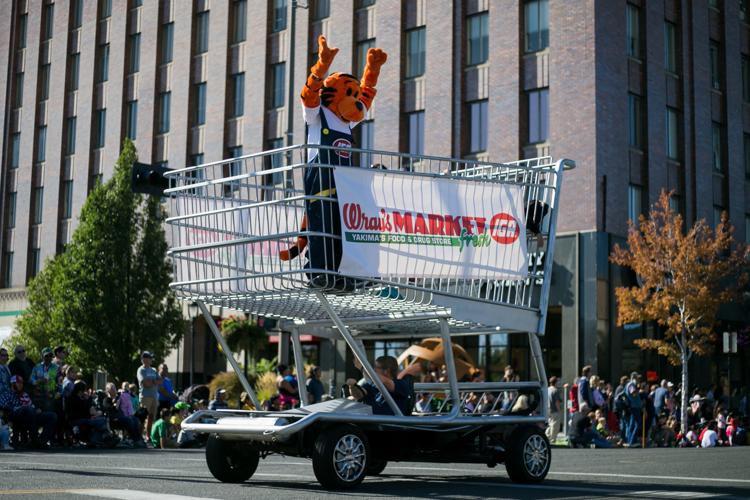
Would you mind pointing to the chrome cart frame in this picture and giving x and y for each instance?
(230, 218)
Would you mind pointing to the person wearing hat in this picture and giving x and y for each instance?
(44, 380)
(149, 381)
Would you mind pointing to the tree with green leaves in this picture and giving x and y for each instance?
(684, 276)
(244, 335)
(107, 296)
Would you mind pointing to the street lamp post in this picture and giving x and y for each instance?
(193, 313)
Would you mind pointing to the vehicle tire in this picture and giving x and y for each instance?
(528, 455)
(376, 466)
(231, 461)
(340, 457)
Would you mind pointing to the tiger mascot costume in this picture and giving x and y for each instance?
(332, 107)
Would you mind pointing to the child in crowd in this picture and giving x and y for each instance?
(125, 401)
(161, 431)
(4, 433)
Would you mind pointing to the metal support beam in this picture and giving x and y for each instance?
(536, 356)
(450, 365)
(299, 362)
(228, 353)
(359, 353)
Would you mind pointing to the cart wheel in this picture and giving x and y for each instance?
(528, 455)
(340, 457)
(231, 461)
(376, 466)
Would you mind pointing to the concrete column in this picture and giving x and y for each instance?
(115, 89)
(216, 81)
(255, 76)
(149, 26)
(180, 85)
(505, 85)
(28, 139)
(58, 49)
(438, 109)
(387, 104)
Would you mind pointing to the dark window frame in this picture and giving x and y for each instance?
(538, 10)
(477, 48)
(414, 65)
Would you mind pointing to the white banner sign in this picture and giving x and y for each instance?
(424, 227)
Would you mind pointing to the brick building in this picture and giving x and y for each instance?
(644, 95)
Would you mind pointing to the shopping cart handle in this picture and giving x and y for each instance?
(149, 179)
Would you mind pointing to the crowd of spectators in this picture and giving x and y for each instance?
(48, 404)
(637, 413)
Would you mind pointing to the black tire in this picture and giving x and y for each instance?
(376, 466)
(340, 457)
(231, 461)
(528, 455)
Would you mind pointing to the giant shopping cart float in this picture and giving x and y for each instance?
(427, 248)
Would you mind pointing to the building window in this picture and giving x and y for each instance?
(8, 266)
(274, 161)
(38, 200)
(321, 9)
(22, 24)
(366, 140)
(67, 199)
(235, 167)
(715, 53)
(279, 15)
(18, 97)
(633, 29)
(15, 151)
(167, 42)
(538, 115)
(361, 55)
(478, 42)
(70, 140)
(746, 78)
(238, 95)
(477, 126)
(164, 108)
(415, 52)
(77, 14)
(200, 103)
(670, 47)
(239, 21)
(100, 127)
(34, 259)
(635, 121)
(104, 64)
(41, 144)
(74, 67)
(131, 119)
(44, 74)
(673, 134)
(536, 15)
(746, 144)
(49, 22)
(718, 212)
(201, 32)
(717, 158)
(635, 202)
(277, 85)
(134, 53)
(416, 133)
(105, 8)
(12, 210)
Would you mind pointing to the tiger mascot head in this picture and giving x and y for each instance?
(342, 94)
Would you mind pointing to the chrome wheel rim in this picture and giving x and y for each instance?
(536, 455)
(349, 457)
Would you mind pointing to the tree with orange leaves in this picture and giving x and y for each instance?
(684, 277)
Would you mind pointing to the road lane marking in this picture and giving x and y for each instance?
(132, 495)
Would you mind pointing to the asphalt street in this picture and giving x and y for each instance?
(182, 474)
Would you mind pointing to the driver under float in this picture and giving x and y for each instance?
(399, 385)
(332, 107)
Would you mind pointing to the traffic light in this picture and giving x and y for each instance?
(149, 179)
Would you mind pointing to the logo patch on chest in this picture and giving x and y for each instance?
(342, 145)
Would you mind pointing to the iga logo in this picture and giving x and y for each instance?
(344, 144)
(504, 229)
